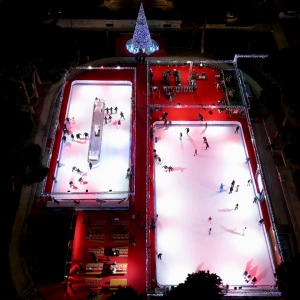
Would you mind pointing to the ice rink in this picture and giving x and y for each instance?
(110, 172)
(188, 196)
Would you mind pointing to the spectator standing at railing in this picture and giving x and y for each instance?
(138, 214)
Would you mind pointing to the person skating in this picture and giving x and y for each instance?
(90, 165)
(233, 183)
(159, 256)
(86, 135)
(237, 129)
(237, 188)
(71, 183)
(253, 280)
(170, 169)
(204, 140)
(159, 160)
(255, 199)
(74, 169)
(72, 137)
(122, 115)
(180, 135)
(119, 124)
(68, 120)
(209, 231)
(110, 117)
(231, 189)
(221, 188)
(261, 222)
(64, 138)
(236, 207)
(247, 159)
(170, 122)
(205, 125)
(207, 146)
(107, 109)
(165, 167)
(196, 152)
(105, 119)
(111, 109)
(80, 180)
(249, 182)
(209, 220)
(53, 178)
(116, 109)
(78, 136)
(187, 130)
(165, 123)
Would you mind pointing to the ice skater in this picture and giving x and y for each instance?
(249, 182)
(261, 222)
(110, 117)
(78, 136)
(236, 207)
(244, 229)
(119, 124)
(231, 189)
(207, 146)
(204, 140)
(205, 126)
(111, 109)
(86, 135)
(90, 165)
(71, 183)
(116, 109)
(221, 188)
(72, 137)
(253, 280)
(107, 109)
(170, 169)
(237, 188)
(170, 122)
(237, 129)
(196, 153)
(233, 183)
(68, 120)
(209, 220)
(209, 231)
(105, 119)
(80, 180)
(64, 138)
(73, 120)
(74, 169)
(255, 199)
(165, 167)
(247, 159)
(53, 178)
(159, 256)
(180, 135)
(122, 115)
(165, 123)
(187, 130)
(159, 160)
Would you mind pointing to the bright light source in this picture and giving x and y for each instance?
(59, 12)
(89, 67)
(101, 67)
(118, 67)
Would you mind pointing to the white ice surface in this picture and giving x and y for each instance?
(115, 149)
(188, 196)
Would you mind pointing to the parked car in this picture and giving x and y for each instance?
(288, 15)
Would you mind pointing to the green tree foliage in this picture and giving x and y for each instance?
(288, 278)
(196, 286)
(127, 293)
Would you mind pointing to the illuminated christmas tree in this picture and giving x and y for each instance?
(141, 37)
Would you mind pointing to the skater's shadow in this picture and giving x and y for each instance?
(159, 138)
(248, 266)
(167, 127)
(262, 275)
(84, 174)
(199, 267)
(233, 231)
(61, 165)
(253, 271)
(179, 169)
(75, 187)
(203, 131)
(192, 141)
(80, 142)
(225, 210)
(68, 144)
(84, 182)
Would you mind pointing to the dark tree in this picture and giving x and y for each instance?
(288, 278)
(196, 285)
(126, 293)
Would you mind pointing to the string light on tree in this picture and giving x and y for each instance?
(141, 37)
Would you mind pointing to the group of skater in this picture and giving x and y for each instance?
(109, 112)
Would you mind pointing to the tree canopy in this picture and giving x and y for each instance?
(200, 285)
(288, 278)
